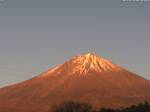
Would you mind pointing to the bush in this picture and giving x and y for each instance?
(85, 107)
(72, 107)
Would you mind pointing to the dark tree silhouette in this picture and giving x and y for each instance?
(106, 110)
(142, 107)
(85, 107)
(72, 107)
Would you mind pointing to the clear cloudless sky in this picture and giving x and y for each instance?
(38, 34)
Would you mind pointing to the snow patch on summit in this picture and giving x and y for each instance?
(82, 65)
(89, 62)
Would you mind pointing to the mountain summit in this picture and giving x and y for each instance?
(84, 64)
(91, 63)
(86, 78)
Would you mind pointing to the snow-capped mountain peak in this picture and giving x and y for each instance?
(83, 64)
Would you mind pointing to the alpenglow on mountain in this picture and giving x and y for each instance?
(86, 78)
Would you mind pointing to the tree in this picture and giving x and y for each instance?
(72, 107)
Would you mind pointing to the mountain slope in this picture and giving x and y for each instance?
(87, 78)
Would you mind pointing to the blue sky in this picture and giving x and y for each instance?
(38, 34)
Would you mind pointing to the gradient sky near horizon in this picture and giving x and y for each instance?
(38, 34)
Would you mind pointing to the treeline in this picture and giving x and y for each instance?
(85, 107)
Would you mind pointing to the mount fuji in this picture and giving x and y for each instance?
(86, 78)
